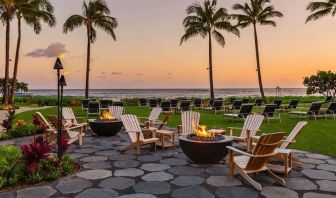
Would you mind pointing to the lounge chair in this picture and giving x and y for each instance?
(197, 103)
(93, 108)
(118, 103)
(165, 106)
(72, 120)
(217, 106)
(173, 104)
(258, 102)
(231, 100)
(278, 103)
(313, 111)
(245, 100)
(116, 111)
(210, 103)
(132, 127)
(104, 104)
(185, 105)
(293, 103)
(110, 102)
(244, 111)
(270, 112)
(142, 102)
(331, 110)
(236, 105)
(153, 117)
(328, 99)
(85, 104)
(71, 134)
(251, 127)
(190, 121)
(256, 162)
(153, 102)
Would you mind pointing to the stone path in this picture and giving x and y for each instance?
(105, 172)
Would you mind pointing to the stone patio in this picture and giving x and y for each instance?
(105, 172)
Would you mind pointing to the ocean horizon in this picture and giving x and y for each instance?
(169, 93)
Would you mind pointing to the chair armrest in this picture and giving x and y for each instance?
(238, 151)
(235, 128)
(131, 131)
(143, 117)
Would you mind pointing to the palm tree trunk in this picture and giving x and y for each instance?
(212, 95)
(16, 63)
(5, 94)
(258, 63)
(88, 64)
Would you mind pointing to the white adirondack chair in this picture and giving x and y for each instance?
(72, 120)
(116, 111)
(153, 116)
(50, 130)
(132, 127)
(251, 127)
(190, 121)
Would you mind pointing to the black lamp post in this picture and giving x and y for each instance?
(62, 84)
(58, 66)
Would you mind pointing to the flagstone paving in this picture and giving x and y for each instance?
(106, 172)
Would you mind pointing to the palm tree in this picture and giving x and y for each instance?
(96, 14)
(321, 9)
(7, 14)
(253, 13)
(207, 21)
(32, 11)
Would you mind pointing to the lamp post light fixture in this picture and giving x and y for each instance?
(58, 66)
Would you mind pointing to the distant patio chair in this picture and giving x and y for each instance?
(197, 103)
(236, 105)
(185, 105)
(85, 104)
(93, 108)
(293, 103)
(256, 162)
(258, 102)
(153, 102)
(132, 127)
(331, 110)
(245, 100)
(165, 105)
(173, 104)
(217, 106)
(270, 112)
(251, 127)
(190, 121)
(118, 103)
(328, 99)
(278, 103)
(313, 111)
(244, 111)
(116, 111)
(142, 102)
(104, 104)
(110, 102)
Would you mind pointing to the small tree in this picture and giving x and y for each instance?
(324, 82)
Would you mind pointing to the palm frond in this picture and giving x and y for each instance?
(73, 22)
(218, 37)
(319, 14)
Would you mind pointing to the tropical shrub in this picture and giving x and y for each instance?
(10, 170)
(324, 82)
(22, 130)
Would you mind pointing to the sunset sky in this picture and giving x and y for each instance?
(147, 52)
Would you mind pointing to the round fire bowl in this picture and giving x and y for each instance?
(106, 127)
(205, 152)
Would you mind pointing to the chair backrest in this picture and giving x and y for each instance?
(252, 123)
(85, 103)
(258, 102)
(93, 107)
(118, 103)
(69, 116)
(295, 132)
(328, 99)
(54, 122)
(110, 103)
(42, 119)
(245, 110)
(153, 102)
(236, 104)
(104, 104)
(142, 102)
(131, 124)
(185, 105)
(217, 105)
(231, 100)
(277, 102)
(315, 108)
(245, 100)
(197, 102)
(116, 111)
(154, 114)
(332, 107)
(264, 150)
(293, 103)
(165, 120)
(190, 121)
(269, 110)
(211, 102)
(173, 103)
(165, 105)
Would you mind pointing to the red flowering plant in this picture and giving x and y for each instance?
(34, 153)
(64, 145)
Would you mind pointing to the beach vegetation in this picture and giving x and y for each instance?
(323, 82)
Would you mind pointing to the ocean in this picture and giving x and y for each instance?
(168, 93)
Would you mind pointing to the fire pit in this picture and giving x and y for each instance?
(107, 125)
(205, 147)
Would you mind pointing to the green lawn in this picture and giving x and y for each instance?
(318, 136)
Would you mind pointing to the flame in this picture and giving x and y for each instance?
(61, 55)
(106, 116)
(65, 73)
(202, 132)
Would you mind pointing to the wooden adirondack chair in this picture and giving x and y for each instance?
(190, 121)
(71, 120)
(72, 134)
(153, 116)
(132, 127)
(116, 111)
(50, 130)
(251, 127)
(257, 161)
